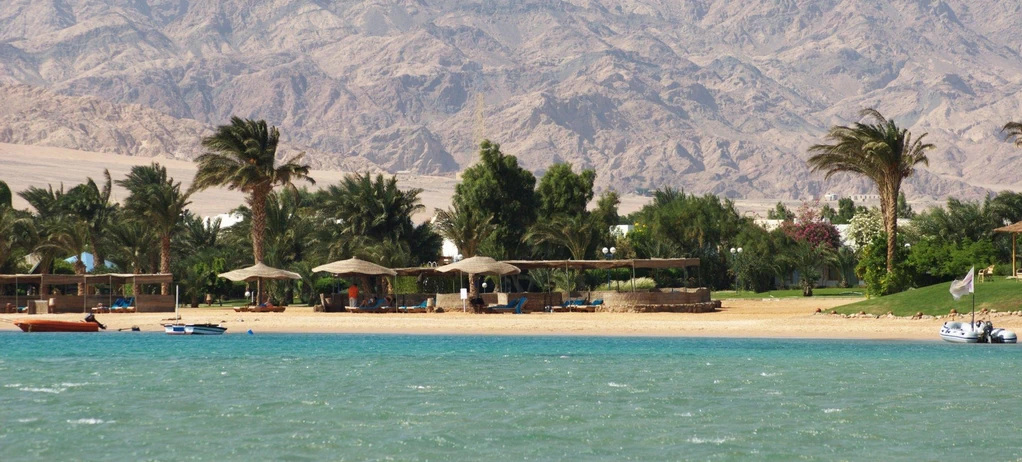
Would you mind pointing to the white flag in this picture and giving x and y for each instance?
(963, 286)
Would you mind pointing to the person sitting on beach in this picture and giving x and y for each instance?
(369, 302)
(353, 295)
(9, 308)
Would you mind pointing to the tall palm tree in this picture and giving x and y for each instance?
(467, 229)
(243, 157)
(880, 151)
(157, 199)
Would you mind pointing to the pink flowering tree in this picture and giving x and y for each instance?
(816, 242)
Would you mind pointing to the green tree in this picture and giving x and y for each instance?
(564, 192)
(577, 233)
(845, 211)
(90, 203)
(676, 224)
(243, 157)
(807, 259)
(882, 152)
(465, 227)
(158, 200)
(905, 210)
(376, 209)
(133, 243)
(829, 213)
(780, 212)
(5, 195)
(498, 188)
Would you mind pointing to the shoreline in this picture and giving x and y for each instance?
(781, 319)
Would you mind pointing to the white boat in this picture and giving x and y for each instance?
(194, 329)
(980, 332)
(179, 328)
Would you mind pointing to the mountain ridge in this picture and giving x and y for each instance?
(714, 96)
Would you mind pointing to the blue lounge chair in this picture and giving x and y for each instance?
(514, 306)
(407, 309)
(375, 307)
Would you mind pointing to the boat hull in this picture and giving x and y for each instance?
(194, 329)
(45, 325)
(964, 332)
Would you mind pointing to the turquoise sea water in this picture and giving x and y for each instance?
(138, 396)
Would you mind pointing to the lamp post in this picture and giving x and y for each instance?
(609, 254)
(735, 253)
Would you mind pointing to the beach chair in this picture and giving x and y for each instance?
(268, 307)
(377, 307)
(588, 307)
(420, 308)
(513, 306)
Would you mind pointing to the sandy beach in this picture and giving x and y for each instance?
(782, 318)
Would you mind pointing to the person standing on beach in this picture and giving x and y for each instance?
(353, 295)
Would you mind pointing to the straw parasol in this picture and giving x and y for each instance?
(480, 265)
(355, 266)
(258, 272)
(1014, 229)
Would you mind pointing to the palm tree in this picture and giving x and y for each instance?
(8, 235)
(157, 199)
(807, 259)
(373, 208)
(132, 241)
(577, 233)
(68, 236)
(1013, 133)
(243, 157)
(91, 204)
(467, 229)
(880, 151)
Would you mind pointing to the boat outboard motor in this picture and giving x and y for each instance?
(988, 328)
(92, 318)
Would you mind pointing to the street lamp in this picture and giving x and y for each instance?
(735, 253)
(609, 254)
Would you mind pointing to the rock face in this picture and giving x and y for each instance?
(720, 96)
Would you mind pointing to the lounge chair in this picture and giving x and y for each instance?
(513, 306)
(268, 307)
(123, 305)
(378, 307)
(420, 308)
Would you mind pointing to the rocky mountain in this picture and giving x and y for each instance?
(719, 96)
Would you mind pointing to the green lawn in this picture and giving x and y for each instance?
(999, 294)
(825, 292)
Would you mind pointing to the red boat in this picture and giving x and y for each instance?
(90, 324)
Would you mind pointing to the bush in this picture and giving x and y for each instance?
(640, 284)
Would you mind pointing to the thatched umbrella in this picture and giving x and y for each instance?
(1014, 229)
(479, 265)
(258, 272)
(355, 266)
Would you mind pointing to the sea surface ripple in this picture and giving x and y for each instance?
(141, 396)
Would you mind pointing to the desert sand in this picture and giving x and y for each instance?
(787, 318)
(23, 166)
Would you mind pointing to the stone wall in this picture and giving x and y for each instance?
(451, 302)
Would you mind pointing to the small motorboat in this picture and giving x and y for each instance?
(194, 329)
(980, 332)
(90, 324)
